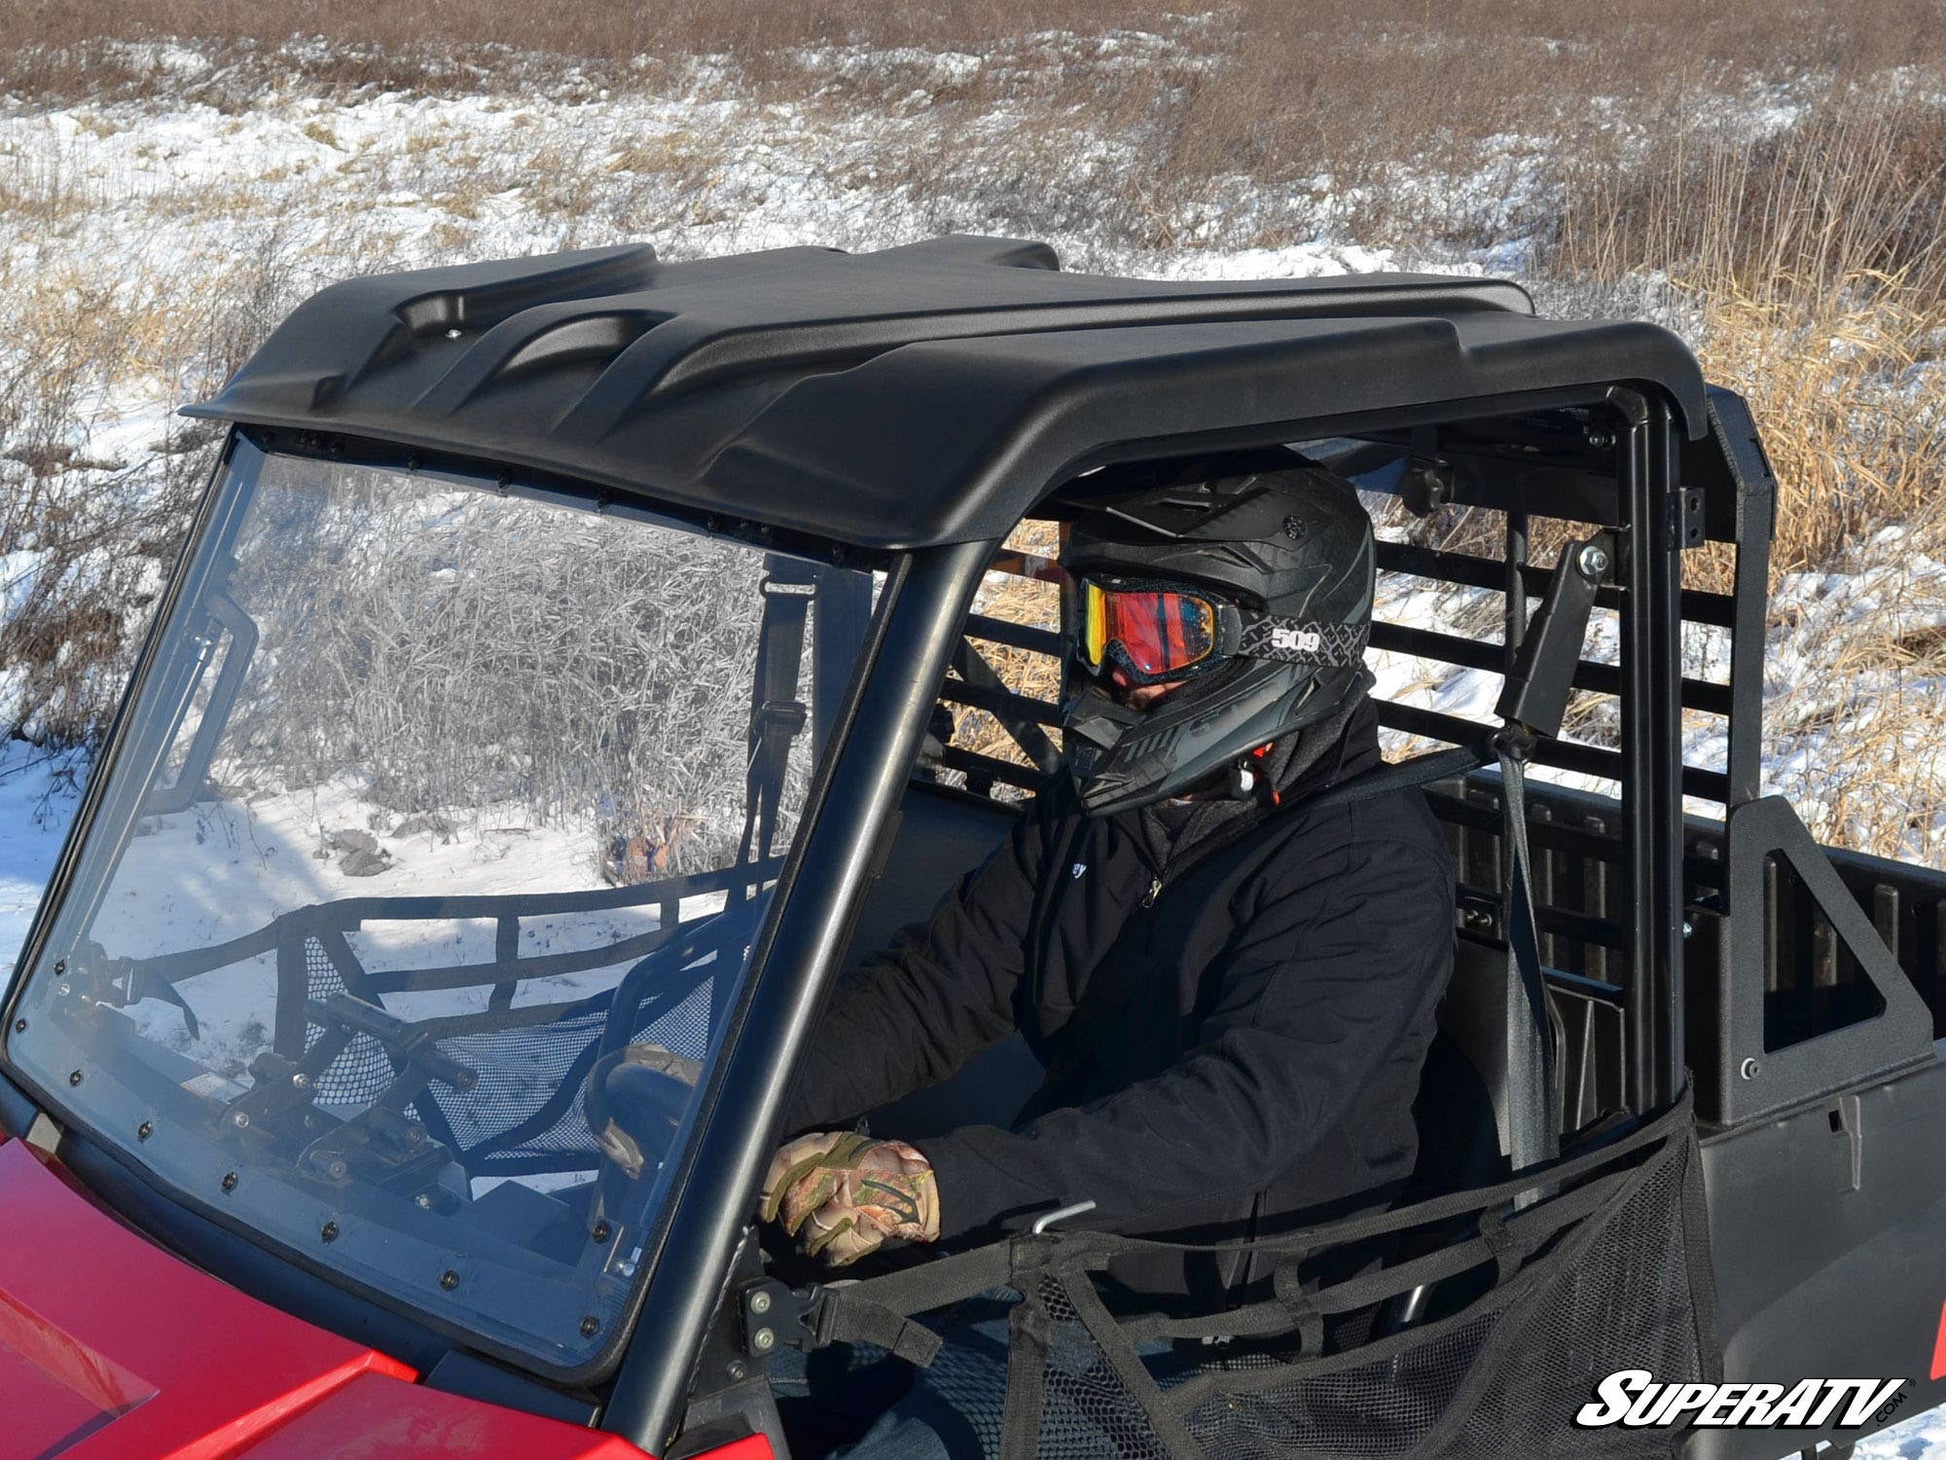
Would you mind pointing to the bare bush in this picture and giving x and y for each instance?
(87, 538)
(464, 654)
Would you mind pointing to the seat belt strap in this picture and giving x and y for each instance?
(1533, 1127)
(1419, 770)
(776, 715)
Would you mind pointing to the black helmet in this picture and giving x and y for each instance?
(1249, 578)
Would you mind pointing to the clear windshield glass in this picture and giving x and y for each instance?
(431, 860)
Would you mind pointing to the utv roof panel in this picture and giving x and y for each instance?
(909, 397)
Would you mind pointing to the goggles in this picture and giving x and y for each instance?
(1158, 632)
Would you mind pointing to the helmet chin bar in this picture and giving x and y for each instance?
(1095, 722)
(1122, 758)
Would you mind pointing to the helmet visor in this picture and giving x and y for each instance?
(1150, 633)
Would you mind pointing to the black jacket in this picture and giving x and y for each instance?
(1234, 1051)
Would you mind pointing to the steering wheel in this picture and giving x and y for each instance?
(638, 1094)
(634, 1102)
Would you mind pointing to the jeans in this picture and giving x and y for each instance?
(857, 1402)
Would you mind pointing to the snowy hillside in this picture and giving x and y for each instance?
(147, 244)
(176, 234)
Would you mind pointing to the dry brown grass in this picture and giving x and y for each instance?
(1853, 193)
(1808, 268)
(1831, 379)
(1264, 91)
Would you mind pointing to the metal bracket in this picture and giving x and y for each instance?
(1426, 488)
(789, 716)
(1686, 518)
(1542, 675)
(1745, 1080)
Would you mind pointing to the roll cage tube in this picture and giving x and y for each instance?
(1651, 742)
(855, 810)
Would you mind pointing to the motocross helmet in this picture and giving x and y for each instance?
(1247, 578)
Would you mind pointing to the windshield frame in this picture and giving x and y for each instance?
(114, 780)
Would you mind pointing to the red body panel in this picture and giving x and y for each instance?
(111, 1349)
(376, 1418)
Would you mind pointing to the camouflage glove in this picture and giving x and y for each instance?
(842, 1194)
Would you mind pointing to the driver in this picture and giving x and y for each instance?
(1231, 992)
(1231, 995)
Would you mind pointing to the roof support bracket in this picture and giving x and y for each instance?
(1542, 675)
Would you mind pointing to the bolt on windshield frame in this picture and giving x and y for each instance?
(104, 826)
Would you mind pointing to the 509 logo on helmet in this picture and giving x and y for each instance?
(1633, 1398)
(1305, 641)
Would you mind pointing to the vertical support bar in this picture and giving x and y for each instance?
(1756, 512)
(506, 953)
(841, 616)
(850, 809)
(1751, 600)
(1651, 633)
(293, 990)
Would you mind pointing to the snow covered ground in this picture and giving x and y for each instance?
(181, 231)
(37, 802)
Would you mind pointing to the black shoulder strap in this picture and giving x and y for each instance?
(1419, 770)
(776, 714)
(1532, 1126)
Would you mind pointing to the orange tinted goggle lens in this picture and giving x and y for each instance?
(1159, 630)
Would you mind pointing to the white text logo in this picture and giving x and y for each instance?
(1633, 1398)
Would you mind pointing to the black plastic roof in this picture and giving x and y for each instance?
(914, 396)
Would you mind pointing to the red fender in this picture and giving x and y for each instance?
(112, 1349)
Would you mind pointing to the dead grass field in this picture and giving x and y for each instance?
(1257, 92)
(1768, 178)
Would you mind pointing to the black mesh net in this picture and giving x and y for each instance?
(1504, 1375)
(1530, 1307)
(1088, 1409)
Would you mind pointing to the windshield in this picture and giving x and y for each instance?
(426, 869)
